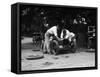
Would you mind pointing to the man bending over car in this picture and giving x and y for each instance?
(51, 34)
(68, 36)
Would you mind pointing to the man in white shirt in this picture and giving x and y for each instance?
(49, 36)
(65, 34)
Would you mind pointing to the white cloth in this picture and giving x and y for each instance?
(67, 35)
(53, 30)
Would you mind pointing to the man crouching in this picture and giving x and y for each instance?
(69, 38)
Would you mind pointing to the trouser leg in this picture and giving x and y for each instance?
(48, 47)
(47, 43)
(44, 48)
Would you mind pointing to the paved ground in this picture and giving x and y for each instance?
(68, 60)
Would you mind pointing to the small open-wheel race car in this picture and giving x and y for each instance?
(62, 46)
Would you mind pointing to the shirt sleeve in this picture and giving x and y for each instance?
(61, 34)
(67, 34)
(72, 34)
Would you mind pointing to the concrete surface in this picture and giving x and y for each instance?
(68, 60)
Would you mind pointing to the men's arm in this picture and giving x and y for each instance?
(55, 33)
